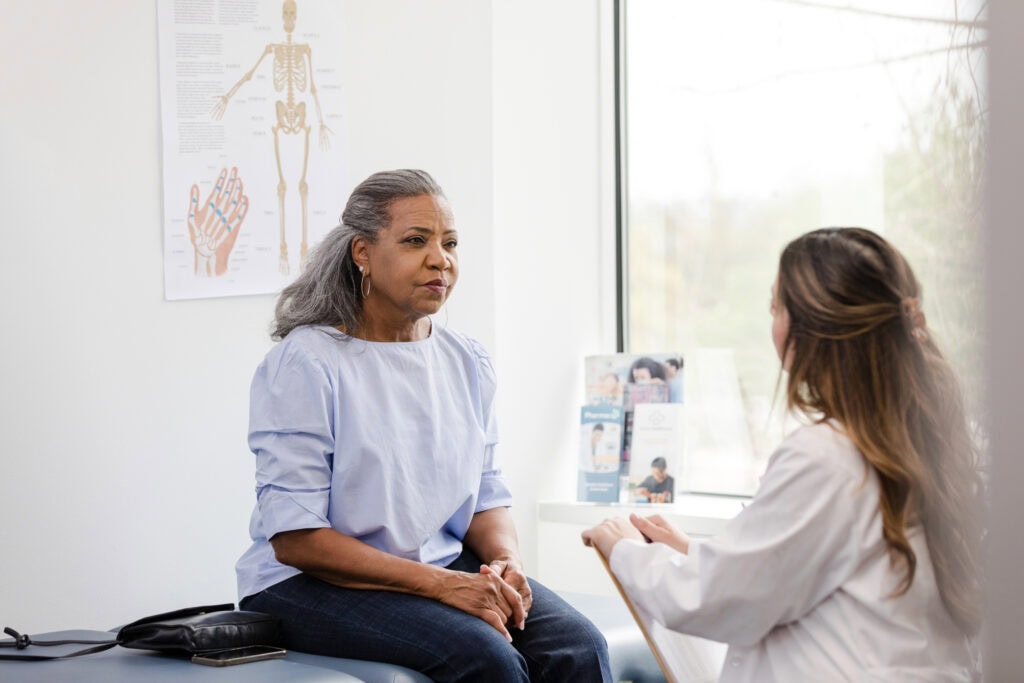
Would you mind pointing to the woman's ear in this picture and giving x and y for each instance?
(360, 253)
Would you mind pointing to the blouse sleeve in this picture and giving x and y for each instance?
(291, 434)
(789, 549)
(494, 491)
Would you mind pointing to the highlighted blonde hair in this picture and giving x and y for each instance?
(860, 353)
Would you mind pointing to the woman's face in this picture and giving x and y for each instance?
(641, 375)
(780, 324)
(413, 265)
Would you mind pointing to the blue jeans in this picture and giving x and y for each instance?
(558, 644)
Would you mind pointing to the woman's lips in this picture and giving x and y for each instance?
(437, 286)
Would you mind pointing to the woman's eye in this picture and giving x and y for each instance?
(451, 244)
(415, 240)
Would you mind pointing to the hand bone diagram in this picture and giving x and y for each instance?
(214, 224)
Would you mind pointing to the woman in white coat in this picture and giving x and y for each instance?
(857, 559)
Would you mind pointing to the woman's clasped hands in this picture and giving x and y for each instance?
(499, 594)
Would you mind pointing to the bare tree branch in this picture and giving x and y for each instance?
(976, 23)
(884, 61)
(970, 67)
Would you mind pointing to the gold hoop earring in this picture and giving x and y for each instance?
(365, 285)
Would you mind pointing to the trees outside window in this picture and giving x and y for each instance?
(748, 122)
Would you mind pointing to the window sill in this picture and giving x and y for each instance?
(697, 514)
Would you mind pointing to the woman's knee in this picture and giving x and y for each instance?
(483, 656)
(563, 644)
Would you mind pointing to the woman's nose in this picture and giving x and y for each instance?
(439, 258)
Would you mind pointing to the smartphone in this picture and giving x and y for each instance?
(239, 655)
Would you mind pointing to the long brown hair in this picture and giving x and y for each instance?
(860, 353)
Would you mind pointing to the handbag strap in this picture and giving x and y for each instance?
(22, 641)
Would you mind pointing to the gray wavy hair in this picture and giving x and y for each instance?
(327, 292)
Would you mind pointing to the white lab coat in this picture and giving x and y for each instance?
(798, 584)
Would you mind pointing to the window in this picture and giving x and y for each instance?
(747, 122)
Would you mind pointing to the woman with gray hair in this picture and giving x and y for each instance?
(381, 529)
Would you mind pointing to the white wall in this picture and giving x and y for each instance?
(554, 272)
(126, 484)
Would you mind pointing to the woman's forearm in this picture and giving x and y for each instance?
(345, 561)
(492, 536)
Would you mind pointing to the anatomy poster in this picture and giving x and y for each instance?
(253, 159)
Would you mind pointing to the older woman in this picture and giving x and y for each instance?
(381, 529)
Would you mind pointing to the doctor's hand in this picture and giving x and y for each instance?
(511, 572)
(605, 535)
(656, 529)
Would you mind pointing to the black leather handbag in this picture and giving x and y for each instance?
(189, 631)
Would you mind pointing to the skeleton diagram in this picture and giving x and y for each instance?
(293, 62)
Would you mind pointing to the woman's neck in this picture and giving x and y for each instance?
(377, 330)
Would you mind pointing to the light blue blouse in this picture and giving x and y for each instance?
(390, 443)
